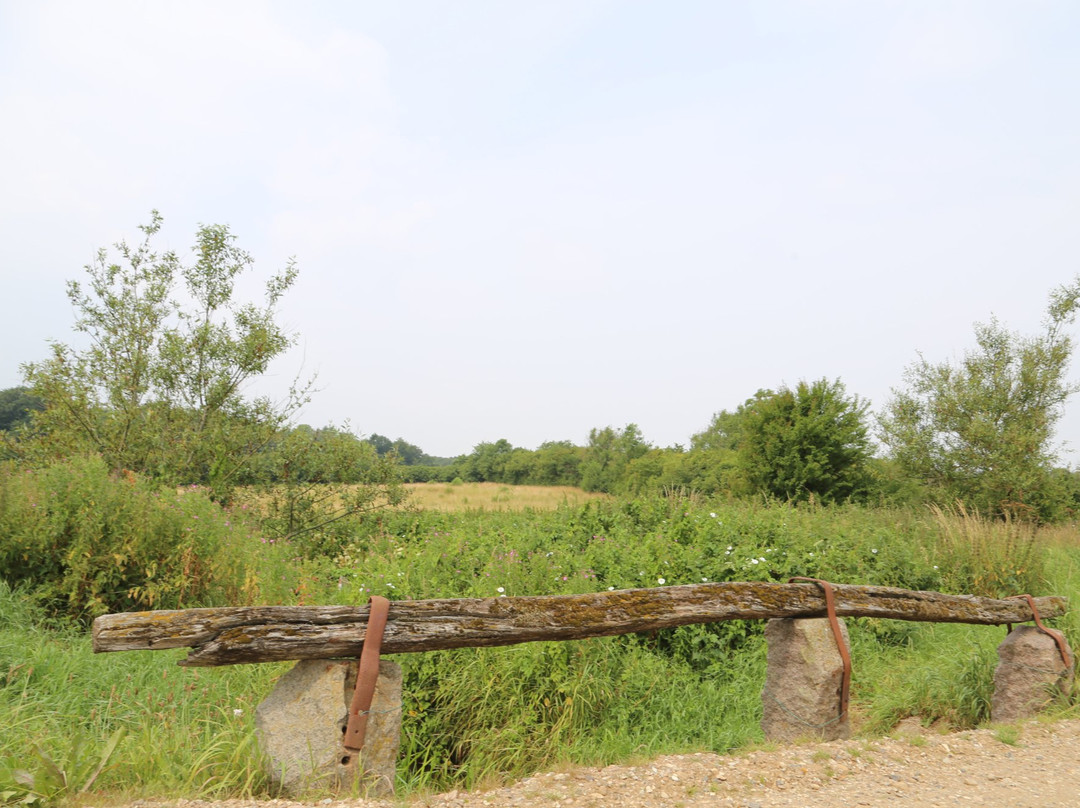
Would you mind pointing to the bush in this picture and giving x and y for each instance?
(84, 542)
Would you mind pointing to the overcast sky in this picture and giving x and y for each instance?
(522, 219)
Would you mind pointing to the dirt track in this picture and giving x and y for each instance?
(913, 769)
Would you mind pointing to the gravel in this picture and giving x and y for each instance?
(1033, 765)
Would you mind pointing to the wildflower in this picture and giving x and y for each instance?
(661, 581)
(753, 561)
(704, 580)
(713, 515)
(874, 551)
(762, 559)
(500, 589)
(611, 589)
(238, 712)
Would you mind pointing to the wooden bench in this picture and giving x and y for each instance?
(804, 697)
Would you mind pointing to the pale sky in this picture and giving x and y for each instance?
(522, 220)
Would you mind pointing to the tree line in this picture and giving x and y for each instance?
(159, 392)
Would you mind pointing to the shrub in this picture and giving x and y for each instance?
(84, 542)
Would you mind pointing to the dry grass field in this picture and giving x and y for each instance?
(494, 496)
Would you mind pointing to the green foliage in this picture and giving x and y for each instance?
(487, 463)
(808, 443)
(159, 389)
(43, 780)
(981, 431)
(85, 542)
(16, 406)
(942, 673)
(471, 714)
(996, 558)
(314, 485)
(608, 455)
(157, 729)
(408, 454)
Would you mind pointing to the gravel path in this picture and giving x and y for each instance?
(1036, 767)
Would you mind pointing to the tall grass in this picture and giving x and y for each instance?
(994, 557)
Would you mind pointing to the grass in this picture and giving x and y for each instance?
(482, 715)
(496, 497)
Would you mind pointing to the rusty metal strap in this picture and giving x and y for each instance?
(1057, 636)
(834, 622)
(360, 707)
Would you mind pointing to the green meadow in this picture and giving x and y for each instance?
(134, 724)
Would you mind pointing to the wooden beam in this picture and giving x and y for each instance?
(227, 636)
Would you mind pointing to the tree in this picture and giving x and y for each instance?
(381, 443)
(16, 406)
(312, 482)
(487, 463)
(981, 431)
(159, 389)
(607, 456)
(812, 441)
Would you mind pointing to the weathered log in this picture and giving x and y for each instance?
(226, 636)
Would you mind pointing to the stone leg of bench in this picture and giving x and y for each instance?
(801, 699)
(1030, 672)
(301, 723)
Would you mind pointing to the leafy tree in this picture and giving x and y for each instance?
(381, 443)
(812, 441)
(556, 463)
(981, 431)
(16, 406)
(409, 454)
(607, 456)
(312, 483)
(487, 463)
(159, 388)
(724, 431)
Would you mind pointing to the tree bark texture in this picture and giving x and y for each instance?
(231, 635)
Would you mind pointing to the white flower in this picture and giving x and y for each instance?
(730, 547)
(753, 561)
(500, 590)
(661, 581)
(874, 550)
(935, 566)
(762, 559)
(704, 580)
(713, 515)
(238, 712)
(611, 589)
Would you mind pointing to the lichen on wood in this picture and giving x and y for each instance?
(225, 636)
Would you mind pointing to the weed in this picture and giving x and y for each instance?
(1008, 734)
